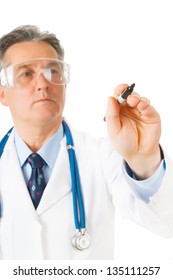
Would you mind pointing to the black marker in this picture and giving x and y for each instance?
(125, 94)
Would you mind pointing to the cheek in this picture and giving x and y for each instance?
(60, 96)
(64, 94)
(17, 103)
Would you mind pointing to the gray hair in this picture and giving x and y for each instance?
(26, 33)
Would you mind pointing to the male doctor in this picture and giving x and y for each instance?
(127, 169)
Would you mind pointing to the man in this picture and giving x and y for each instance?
(127, 169)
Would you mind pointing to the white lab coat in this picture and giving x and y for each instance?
(47, 232)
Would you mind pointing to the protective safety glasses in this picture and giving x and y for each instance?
(24, 75)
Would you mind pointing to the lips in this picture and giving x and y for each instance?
(43, 97)
(43, 100)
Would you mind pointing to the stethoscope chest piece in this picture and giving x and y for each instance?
(81, 241)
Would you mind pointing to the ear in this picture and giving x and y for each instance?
(3, 99)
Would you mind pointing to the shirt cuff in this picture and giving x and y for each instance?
(144, 189)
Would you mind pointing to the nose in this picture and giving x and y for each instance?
(41, 82)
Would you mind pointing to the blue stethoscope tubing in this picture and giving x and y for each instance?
(81, 241)
(3, 141)
(78, 204)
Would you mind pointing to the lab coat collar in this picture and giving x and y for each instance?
(58, 186)
(12, 181)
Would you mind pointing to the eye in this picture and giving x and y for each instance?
(55, 71)
(23, 72)
(26, 74)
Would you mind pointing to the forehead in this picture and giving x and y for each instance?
(28, 50)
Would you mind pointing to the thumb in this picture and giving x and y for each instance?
(113, 117)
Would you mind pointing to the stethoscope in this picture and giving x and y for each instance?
(81, 240)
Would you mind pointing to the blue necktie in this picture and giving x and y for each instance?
(37, 183)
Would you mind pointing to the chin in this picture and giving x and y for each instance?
(46, 117)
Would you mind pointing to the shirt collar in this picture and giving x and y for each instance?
(49, 157)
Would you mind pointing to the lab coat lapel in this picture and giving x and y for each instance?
(14, 185)
(59, 184)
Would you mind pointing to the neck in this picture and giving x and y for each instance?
(36, 136)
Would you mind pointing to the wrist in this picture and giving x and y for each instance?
(144, 166)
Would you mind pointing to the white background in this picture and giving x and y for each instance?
(106, 43)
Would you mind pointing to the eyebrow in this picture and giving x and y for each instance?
(53, 63)
(49, 64)
(23, 66)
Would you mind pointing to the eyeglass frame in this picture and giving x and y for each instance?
(3, 72)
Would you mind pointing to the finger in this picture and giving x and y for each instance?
(149, 112)
(112, 116)
(143, 104)
(133, 100)
(119, 89)
(145, 99)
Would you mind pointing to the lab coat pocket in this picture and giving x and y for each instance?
(6, 238)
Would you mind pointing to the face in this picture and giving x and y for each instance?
(43, 103)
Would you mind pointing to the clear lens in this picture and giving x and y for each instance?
(25, 74)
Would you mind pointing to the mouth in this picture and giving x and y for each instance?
(43, 100)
